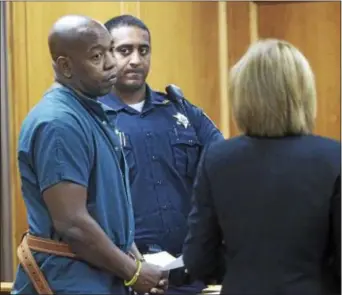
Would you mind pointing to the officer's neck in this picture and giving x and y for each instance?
(131, 97)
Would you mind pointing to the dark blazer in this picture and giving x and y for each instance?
(276, 204)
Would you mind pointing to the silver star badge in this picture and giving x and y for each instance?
(182, 120)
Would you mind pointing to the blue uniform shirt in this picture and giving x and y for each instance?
(65, 138)
(162, 145)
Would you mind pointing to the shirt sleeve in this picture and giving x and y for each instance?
(206, 130)
(336, 225)
(61, 153)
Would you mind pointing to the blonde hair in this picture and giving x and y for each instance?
(272, 90)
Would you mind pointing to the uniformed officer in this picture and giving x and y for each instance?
(162, 136)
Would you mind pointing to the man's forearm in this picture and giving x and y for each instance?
(89, 242)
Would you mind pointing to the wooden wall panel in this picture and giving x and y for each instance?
(18, 106)
(239, 38)
(130, 7)
(40, 17)
(314, 27)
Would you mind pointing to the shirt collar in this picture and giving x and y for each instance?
(92, 105)
(114, 103)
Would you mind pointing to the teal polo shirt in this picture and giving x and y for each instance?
(68, 138)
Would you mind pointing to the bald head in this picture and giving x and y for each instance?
(69, 32)
(82, 52)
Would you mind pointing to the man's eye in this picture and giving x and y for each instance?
(124, 51)
(97, 57)
(144, 51)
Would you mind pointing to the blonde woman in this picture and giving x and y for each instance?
(272, 194)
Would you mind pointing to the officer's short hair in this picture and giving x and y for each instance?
(272, 90)
(126, 20)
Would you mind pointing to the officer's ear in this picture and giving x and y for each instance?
(64, 66)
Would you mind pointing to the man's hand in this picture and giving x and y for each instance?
(161, 288)
(150, 280)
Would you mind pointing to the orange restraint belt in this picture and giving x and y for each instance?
(31, 243)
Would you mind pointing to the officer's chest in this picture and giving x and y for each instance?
(162, 126)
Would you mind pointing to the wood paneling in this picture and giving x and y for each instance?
(184, 52)
(40, 16)
(241, 32)
(18, 107)
(313, 27)
(223, 69)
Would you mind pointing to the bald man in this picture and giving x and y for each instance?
(75, 179)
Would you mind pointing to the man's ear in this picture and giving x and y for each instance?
(63, 65)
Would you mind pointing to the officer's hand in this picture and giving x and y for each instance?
(149, 279)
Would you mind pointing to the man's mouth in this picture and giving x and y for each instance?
(112, 78)
(134, 73)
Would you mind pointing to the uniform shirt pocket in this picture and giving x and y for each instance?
(186, 150)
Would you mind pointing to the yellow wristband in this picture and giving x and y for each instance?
(136, 275)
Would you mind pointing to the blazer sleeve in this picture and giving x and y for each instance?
(336, 226)
(202, 246)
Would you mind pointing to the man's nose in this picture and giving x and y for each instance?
(110, 61)
(135, 59)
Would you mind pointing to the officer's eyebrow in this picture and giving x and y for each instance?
(131, 45)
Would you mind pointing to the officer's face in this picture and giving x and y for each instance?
(132, 52)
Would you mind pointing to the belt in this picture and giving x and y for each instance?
(29, 264)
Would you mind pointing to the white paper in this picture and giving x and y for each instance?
(177, 263)
(161, 258)
(212, 290)
(165, 260)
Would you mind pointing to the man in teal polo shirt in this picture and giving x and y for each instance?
(75, 179)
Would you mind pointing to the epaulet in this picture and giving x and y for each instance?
(174, 93)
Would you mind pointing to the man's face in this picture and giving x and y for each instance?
(93, 62)
(132, 53)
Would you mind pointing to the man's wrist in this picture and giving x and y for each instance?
(129, 269)
(135, 277)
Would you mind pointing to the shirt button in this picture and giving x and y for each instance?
(104, 123)
(154, 158)
(148, 134)
(164, 207)
(142, 116)
(159, 182)
(117, 148)
(191, 141)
